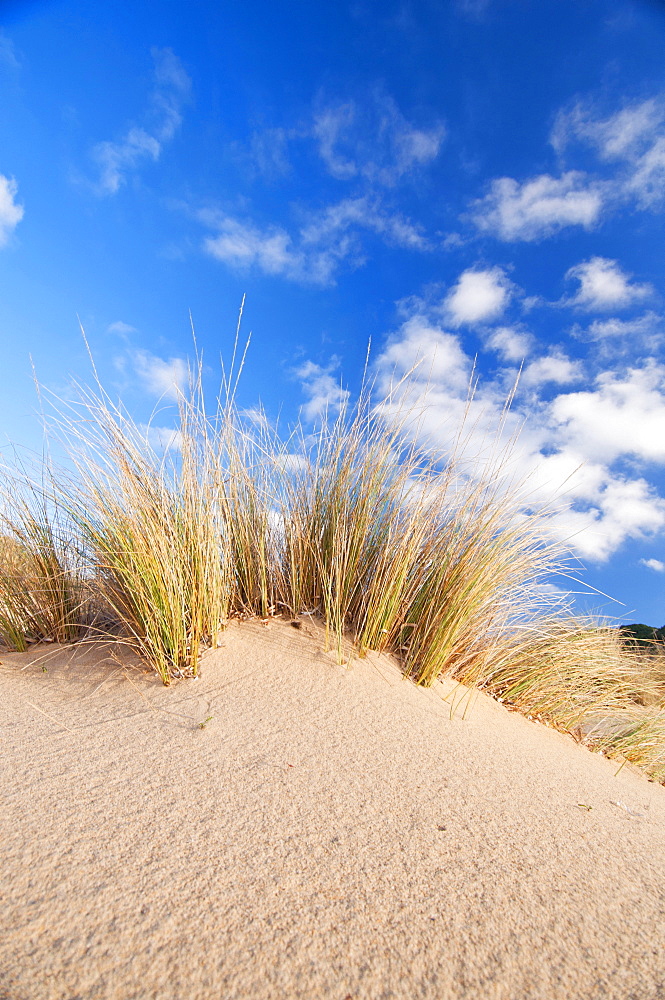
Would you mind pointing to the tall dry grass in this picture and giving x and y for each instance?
(395, 549)
(43, 591)
(153, 525)
(637, 737)
(350, 515)
(405, 553)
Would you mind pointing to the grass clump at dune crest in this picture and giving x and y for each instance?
(153, 527)
(392, 547)
(43, 593)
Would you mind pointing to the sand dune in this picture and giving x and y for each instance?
(330, 832)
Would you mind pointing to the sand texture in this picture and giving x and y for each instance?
(331, 832)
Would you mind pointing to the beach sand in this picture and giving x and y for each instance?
(330, 832)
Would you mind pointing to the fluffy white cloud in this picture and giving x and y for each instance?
(655, 564)
(162, 378)
(434, 356)
(604, 286)
(116, 159)
(325, 395)
(555, 368)
(242, 245)
(478, 296)
(630, 150)
(10, 213)
(622, 416)
(626, 508)
(374, 141)
(597, 523)
(573, 447)
(426, 380)
(315, 260)
(510, 343)
(539, 207)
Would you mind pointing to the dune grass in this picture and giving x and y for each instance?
(43, 592)
(638, 737)
(159, 543)
(153, 527)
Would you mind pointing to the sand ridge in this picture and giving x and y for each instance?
(329, 832)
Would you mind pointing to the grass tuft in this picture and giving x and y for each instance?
(43, 592)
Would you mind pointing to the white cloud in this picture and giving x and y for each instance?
(622, 416)
(435, 357)
(161, 438)
(329, 126)
(510, 343)
(643, 326)
(120, 328)
(10, 213)
(268, 151)
(327, 239)
(655, 564)
(539, 207)
(326, 397)
(290, 462)
(451, 241)
(426, 380)
(172, 90)
(633, 137)
(555, 368)
(647, 182)
(256, 416)
(242, 245)
(599, 521)
(576, 446)
(8, 52)
(161, 378)
(616, 338)
(624, 134)
(116, 159)
(374, 141)
(628, 131)
(628, 509)
(604, 286)
(478, 296)
(415, 147)
(599, 507)
(370, 143)
(363, 213)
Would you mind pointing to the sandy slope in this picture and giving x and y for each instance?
(331, 832)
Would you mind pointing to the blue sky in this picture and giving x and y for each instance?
(471, 181)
